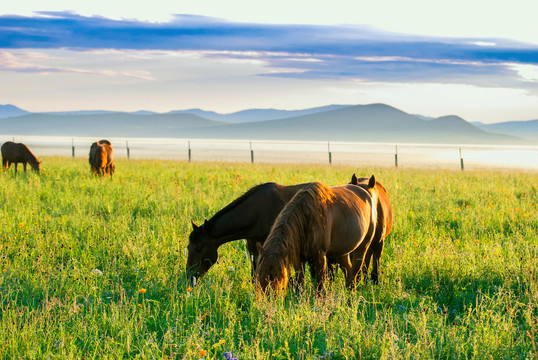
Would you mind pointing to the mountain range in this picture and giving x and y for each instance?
(360, 123)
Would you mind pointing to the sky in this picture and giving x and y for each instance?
(476, 59)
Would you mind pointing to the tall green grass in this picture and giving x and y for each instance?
(94, 268)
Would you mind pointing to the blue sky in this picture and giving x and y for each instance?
(479, 62)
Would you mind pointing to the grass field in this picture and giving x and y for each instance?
(95, 268)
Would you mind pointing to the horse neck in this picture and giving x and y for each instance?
(30, 157)
(298, 229)
(232, 223)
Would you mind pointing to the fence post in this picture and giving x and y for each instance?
(128, 151)
(396, 157)
(461, 161)
(251, 153)
(189, 151)
(330, 153)
(72, 147)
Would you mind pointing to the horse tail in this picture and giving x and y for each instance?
(298, 230)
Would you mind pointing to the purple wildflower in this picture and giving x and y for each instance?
(229, 356)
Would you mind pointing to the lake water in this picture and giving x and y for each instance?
(338, 153)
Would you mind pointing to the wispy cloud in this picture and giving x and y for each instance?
(301, 51)
(30, 63)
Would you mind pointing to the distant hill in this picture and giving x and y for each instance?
(11, 111)
(523, 129)
(107, 124)
(254, 115)
(362, 123)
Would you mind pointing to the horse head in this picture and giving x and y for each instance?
(272, 276)
(369, 182)
(36, 166)
(202, 254)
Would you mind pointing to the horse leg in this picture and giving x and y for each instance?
(298, 279)
(378, 251)
(254, 249)
(16, 164)
(319, 270)
(24, 164)
(357, 263)
(345, 264)
(366, 264)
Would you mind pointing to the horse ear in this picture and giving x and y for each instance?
(371, 182)
(354, 180)
(194, 226)
(205, 221)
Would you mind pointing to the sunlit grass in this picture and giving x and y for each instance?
(94, 268)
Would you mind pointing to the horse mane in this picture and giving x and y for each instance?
(31, 158)
(297, 231)
(231, 206)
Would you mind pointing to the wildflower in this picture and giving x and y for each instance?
(221, 341)
(4, 270)
(21, 224)
(142, 291)
(229, 356)
(202, 353)
(139, 305)
(96, 272)
(189, 289)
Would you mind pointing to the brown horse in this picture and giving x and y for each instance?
(14, 153)
(383, 228)
(248, 217)
(102, 158)
(319, 222)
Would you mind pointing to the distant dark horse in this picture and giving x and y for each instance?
(320, 222)
(102, 158)
(383, 228)
(14, 153)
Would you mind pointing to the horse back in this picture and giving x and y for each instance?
(353, 217)
(109, 152)
(262, 204)
(17, 152)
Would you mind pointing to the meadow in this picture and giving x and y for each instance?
(94, 268)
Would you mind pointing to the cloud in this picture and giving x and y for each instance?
(28, 63)
(300, 51)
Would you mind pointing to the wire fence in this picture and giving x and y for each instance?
(306, 152)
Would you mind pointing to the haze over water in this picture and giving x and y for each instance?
(314, 152)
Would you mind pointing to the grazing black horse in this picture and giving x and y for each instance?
(14, 153)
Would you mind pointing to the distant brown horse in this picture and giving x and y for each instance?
(319, 222)
(14, 153)
(383, 228)
(102, 158)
